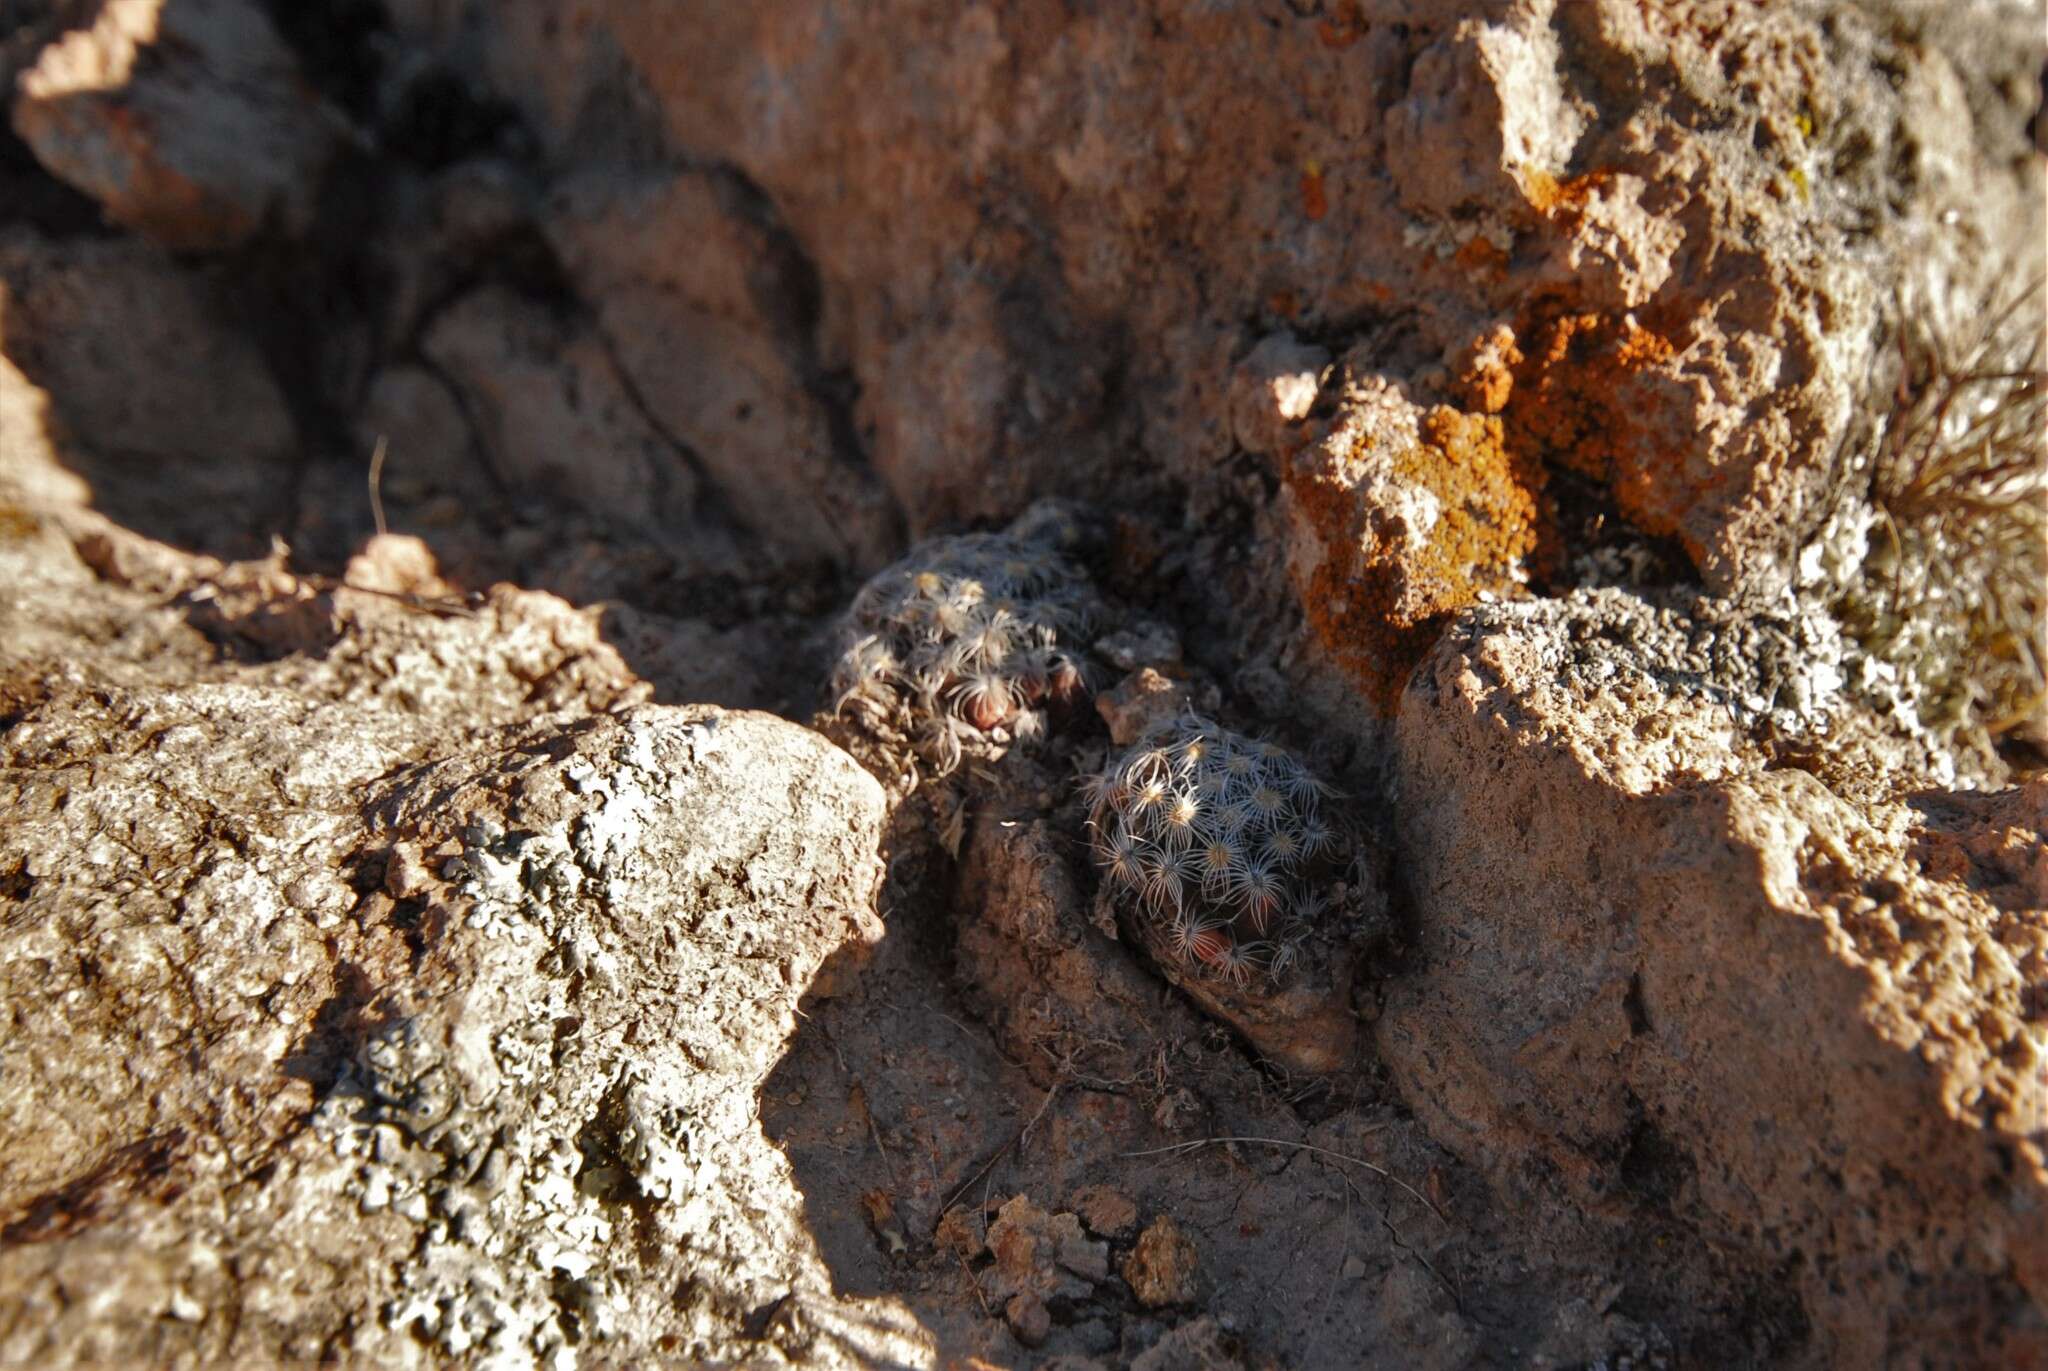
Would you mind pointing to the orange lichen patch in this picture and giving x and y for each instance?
(1315, 202)
(1492, 509)
(1378, 606)
(1485, 377)
(1344, 28)
(1574, 403)
(1548, 195)
(1479, 254)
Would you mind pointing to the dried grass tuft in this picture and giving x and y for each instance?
(1954, 590)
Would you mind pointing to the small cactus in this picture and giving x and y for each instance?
(964, 645)
(1215, 837)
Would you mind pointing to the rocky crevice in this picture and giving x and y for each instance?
(1421, 376)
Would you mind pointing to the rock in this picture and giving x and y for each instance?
(1304, 1023)
(1028, 1319)
(1273, 387)
(1141, 702)
(429, 446)
(172, 415)
(1485, 120)
(517, 1082)
(1587, 1328)
(555, 419)
(1088, 1260)
(1688, 229)
(1200, 1344)
(704, 300)
(1161, 1267)
(1142, 644)
(1400, 514)
(360, 942)
(1701, 985)
(959, 1233)
(1040, 1255)
(1059, 994)
(1106, 1210)
(1424, 1315)
(188, 120)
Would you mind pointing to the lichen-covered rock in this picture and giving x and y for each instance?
(1700, 985)
(495, 1025)
(387, 983)
(187, 120)
(1402, 515)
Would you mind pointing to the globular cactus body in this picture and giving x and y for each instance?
(1216, 839)
(965, 644)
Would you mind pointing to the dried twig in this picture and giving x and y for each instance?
(1394, 1234)
(376, 484)
(1021, 1136)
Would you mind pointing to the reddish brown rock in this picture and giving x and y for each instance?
(545, 396)
(1161, 1268)
(1106, 1210)
(702, 298)
(1028, 1319)
(1703, 988)
(148, 389)
(188, 120)
(1686, 225)
(1041, 1256)
(1141, 702)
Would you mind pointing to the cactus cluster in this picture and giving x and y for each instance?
(1217, 839)
(965, 644)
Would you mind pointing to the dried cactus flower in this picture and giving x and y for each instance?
(964, 646)
(1216, 840)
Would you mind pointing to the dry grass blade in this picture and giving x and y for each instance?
(1180, 1148)
(1955, 591)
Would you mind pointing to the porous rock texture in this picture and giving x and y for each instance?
(1652, 240)
(403, 995)
(328, 1053)
(418, 950)
(1685, 975)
